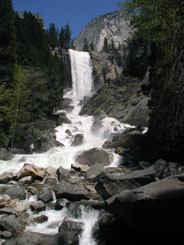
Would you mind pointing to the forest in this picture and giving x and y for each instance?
(31, 73)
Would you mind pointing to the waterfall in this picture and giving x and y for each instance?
(82, 77)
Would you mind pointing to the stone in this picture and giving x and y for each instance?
(50, 171)
(77, 140)
(38, 206)
(40, 219)
(93, 156)
(33, 238)
(165, 169)
(33, 190)
(155, 207)
(62, 174)
(26, 180)
(94, 171)
(16, 192)
(80, 168)
(109, 185)
(11, 223)
(72, 192)
(45, 196)
(5, 155)
(6, 234)
(68, 132)
(120, 150)
(63, 118)
(6, 177)
(31, 170)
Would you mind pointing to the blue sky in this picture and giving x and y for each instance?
(77, 13)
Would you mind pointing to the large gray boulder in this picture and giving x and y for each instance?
(156, 207)
(77, 140)
(72, 192)
(111, 184)
(33, 238)
(93, 156)
(5, 155)
(16, 192)
(11, 223)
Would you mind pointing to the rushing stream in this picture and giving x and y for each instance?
(82, 80)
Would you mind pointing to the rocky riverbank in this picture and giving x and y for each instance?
(149, 199)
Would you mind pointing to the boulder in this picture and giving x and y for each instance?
(93, 156)
(77, 140)
(11, 223)
(63, 118)
(16, 192)
(5, 155)
(109, 185)
(156, 207)
(62, 174)
(45, 196)
(31, 170)
(94, 171)
(80, 168)
(38, 206)
(6, 177)
(45, 143)
(165, 169)
(40, 219)
(72, 230)
(26, 180)
(33, 238)
(72, 192)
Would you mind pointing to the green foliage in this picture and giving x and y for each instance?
(65, 37)
(106, 45)
(85, 45)
(31, 78)
(53, 36)
(7, 41)
(92, 47)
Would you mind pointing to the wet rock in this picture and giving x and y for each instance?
(26, 180)
(37, 206)
(61, 203)
(63, 118)
(96, 126)
(11, 223)
(65, 102)
(33, 190)
(45, 196)
(31, 170)
(165, 169)
(72, 192)
(120, 150)
(33, 238)
(68, 132)
(50, 171)
(155, 207)
(8, 211)
(93, 156)
(6, 234)
(94, 171)
(62, 174)
(45, 143)
(78, 140)
(71, 230)
(40, 219)
(50, 181)
(109, 185)
(6, 177)
(80, 168)
(16, 192)
(5, 155)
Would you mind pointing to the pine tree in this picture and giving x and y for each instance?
(62, 38)
(7, 42)
(92, 48)
(85, 46)
(67, 37)
(105, 46)
(53, 36)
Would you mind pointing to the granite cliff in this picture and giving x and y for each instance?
(114, 26)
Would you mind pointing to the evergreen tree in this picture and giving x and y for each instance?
(53, 36)
(92, 48)
(7, 42)
(105, 46)
(62, 38)
(85, 46)
(67, 36)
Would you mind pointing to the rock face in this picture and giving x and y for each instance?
(155, 207)
(127, 103)
(114, 26)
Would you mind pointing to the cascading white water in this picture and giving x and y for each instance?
(82, 85)
(82, 77)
